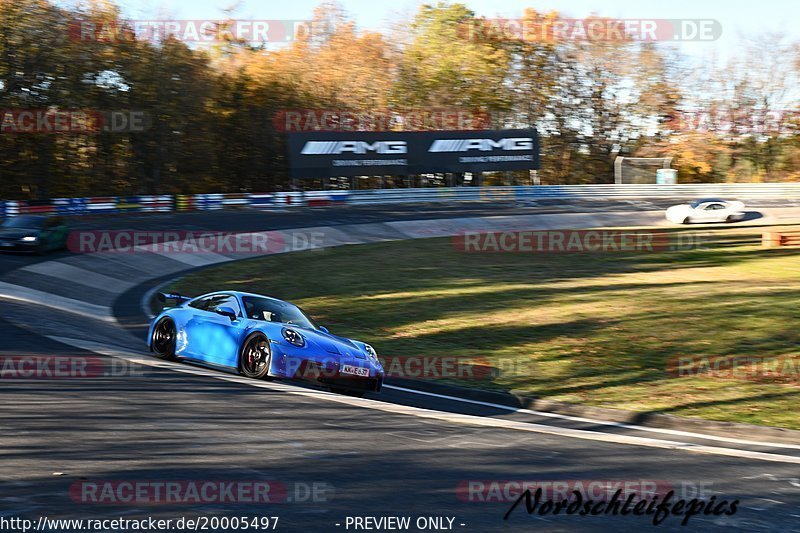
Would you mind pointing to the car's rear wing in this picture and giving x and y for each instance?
(164, 296)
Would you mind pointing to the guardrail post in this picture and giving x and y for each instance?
(770, 239)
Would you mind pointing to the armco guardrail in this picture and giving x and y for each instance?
(742, 191)
(725, 190)
(287, 200)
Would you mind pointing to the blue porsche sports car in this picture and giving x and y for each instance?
(262, 337)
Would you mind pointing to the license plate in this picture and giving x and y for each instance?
(355, 370)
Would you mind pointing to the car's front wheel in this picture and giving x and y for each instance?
(163, 340)
(687, 220)
(255, 357)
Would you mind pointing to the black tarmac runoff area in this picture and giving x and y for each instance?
(134, 439)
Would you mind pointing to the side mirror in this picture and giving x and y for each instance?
(226, 311)
(324, 329)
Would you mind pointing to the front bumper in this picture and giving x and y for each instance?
(335, 378)
(329, 372)
(18, 246)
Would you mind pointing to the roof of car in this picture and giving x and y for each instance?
(704, 200)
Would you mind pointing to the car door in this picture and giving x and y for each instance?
(192, 334)
(215, 338)
(715, 212)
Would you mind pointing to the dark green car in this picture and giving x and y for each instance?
(33, 233)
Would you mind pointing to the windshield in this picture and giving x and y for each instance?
(271, 310)
(27, 222)
(706, 200)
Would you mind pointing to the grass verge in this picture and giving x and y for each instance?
(596, 329)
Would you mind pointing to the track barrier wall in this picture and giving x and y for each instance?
(289, 200)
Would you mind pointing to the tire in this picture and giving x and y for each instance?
(687, 220)
(255, 357)
(163, 339)
(730, 219)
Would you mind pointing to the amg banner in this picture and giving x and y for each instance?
(330, 154)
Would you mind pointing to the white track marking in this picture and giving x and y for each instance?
(73, 274)
(454, 418)
(61, 303)
(195, 259)
(665, 431)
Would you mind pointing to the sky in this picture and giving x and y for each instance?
(738, 18)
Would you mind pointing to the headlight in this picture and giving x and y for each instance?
(371, 351)
(293, 337)
(30, 238)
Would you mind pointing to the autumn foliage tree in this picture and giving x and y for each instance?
(211, 108)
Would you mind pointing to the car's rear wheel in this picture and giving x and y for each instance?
(730, 219)
(255, 357)
(163, 340)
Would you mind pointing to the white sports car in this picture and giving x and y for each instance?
(706, 210)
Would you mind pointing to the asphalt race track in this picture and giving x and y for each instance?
(323, 457)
